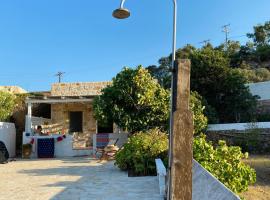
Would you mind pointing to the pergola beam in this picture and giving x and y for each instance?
(61, 100)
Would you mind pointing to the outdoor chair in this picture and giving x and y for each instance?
(105, 146)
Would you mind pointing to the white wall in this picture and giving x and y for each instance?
(8, 136)
(237, 126)
(261, 89)
(63, 148)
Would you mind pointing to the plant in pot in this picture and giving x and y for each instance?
(27, 149)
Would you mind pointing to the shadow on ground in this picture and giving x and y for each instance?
(86, 178)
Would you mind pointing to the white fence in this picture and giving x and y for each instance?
(8, 136)
(238, 126)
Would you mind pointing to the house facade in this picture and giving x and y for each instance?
(71, 111)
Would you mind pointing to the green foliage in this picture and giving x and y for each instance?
(261, 34)
(224, 163)
(134, 101)
(7, 103)
(249, 141)
(139, 153)
(263, 117)
(199, 119)
(214, 70)
(255, 75)
(238, 104)
(223, 89)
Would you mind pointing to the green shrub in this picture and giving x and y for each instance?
(139, 153)
(7, 104)
(224, 163)
(197, 107)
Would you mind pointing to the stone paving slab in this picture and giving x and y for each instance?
(72, 179)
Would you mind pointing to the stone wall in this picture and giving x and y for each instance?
(78, 89)
(60, 119)
(264, 106)
(13, 89)
(251, 140)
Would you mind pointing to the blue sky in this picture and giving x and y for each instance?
(39, 38)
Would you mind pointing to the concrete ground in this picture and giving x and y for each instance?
(72, 179)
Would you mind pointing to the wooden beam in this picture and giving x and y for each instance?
(51, 101)
(181, 169)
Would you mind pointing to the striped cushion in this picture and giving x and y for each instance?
(102, 140)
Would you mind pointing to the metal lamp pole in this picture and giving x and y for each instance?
(123, 13)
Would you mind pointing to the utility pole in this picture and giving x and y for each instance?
(59, 74)
(226, 30)
(205, 42)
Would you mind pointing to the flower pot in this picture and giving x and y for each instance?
(27, 150)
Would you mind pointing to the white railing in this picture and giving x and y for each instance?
(161, 173)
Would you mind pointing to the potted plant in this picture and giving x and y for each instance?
(26, 150)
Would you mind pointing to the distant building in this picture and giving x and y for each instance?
(261, 89)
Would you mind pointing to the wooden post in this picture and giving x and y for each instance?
(181, 168)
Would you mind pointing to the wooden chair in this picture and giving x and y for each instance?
(103, 141)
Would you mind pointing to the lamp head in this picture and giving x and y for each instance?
(121, 13)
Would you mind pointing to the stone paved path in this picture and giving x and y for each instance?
(72, 179)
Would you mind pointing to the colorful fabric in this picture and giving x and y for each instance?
(102, 140)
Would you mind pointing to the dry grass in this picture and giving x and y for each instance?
(261, 189)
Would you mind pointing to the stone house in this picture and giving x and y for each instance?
(261, 89)
(71, 111)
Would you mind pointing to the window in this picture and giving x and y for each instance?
(75, 121)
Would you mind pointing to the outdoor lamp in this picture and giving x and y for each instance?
(121, 13)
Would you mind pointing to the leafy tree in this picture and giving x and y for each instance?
(199, 119)
(261, 34)
(263, 53)
(255, 75)
(237, 104)
(162, 72)
(134, 101)
(261, 39)
(7, 103)
(221, 86)
(232, 52)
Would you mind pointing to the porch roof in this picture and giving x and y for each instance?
(59, 99)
